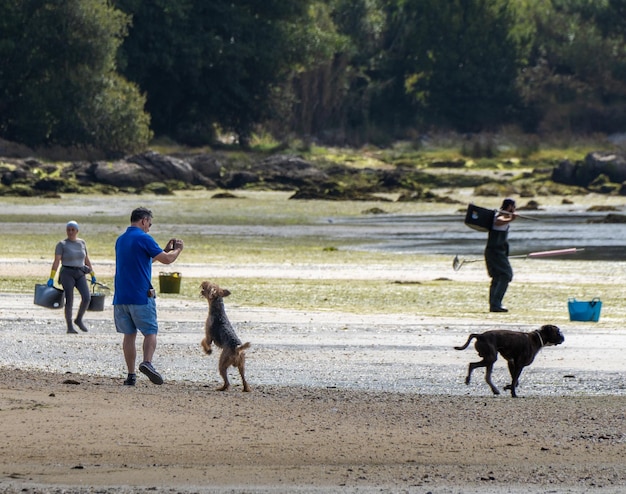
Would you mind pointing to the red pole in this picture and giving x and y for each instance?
(549, 253)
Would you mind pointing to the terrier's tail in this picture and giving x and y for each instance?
(243, 347)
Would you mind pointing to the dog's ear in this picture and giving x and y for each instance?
(551, 327)
(224, 292)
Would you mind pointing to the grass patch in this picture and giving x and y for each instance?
(541, 303)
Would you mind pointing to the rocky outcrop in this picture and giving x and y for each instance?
(142, 169)
(584, 173)
(161, 174)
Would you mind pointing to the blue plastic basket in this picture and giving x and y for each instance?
(584, 311)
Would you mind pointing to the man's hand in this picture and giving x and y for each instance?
(170, 245)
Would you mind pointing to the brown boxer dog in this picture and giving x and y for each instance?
(518, 348)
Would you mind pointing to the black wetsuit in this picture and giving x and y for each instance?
(498, 265)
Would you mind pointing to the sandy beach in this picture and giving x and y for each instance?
(70, 433)
(82, 431)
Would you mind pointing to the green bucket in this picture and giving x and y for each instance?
(169, 282)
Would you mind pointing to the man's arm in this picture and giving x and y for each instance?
(170, 256)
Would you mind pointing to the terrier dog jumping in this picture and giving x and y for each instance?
(218, 330)
(519, 349)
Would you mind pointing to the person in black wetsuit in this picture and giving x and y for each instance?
(497, 255)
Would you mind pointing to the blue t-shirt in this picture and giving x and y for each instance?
(134, 251)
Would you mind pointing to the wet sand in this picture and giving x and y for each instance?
(70, 433)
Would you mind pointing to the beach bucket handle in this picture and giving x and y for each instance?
(101, 285)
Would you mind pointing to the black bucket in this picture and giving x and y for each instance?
(49, 296)
(478, 218)
(96, 303)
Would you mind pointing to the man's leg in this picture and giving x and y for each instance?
(146, 367)
(146, 318)
(130, 352)
(149, 347)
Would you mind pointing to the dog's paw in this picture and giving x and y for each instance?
(206, 347)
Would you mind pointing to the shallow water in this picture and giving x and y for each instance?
(556, 228)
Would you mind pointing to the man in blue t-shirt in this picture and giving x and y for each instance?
(134, 298)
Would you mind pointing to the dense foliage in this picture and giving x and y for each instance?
(58, 83)
(107, 73)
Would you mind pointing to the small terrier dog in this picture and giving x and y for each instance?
(218, 330)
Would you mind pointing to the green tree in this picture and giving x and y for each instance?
(341, 78)
(364, 22)
(576, 75)
(319, 83)
(209, 64)
(57, 64)
(456, 60)
(116, 119)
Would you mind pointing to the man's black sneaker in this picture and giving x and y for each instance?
(147, 369)
(130, 380)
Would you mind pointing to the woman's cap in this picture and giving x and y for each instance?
(72, 224)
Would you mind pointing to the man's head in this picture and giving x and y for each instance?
(141, 217)
(140, 214)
